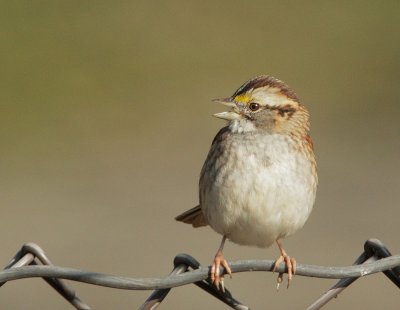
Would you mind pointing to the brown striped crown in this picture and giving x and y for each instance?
(266, 80)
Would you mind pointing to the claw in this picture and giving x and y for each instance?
(222, 285)
(279, 280)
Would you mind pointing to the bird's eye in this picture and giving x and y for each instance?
(254, 106)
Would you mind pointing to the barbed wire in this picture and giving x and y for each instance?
(27, 264)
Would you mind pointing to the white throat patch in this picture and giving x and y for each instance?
(242, 125)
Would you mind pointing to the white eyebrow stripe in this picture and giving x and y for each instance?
(269, 96)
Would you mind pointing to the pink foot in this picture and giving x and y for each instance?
(216, 278)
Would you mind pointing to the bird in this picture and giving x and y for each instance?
(258, 183)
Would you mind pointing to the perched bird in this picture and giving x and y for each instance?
(258, 183)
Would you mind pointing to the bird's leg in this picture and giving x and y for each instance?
(219, 260)
(289, 261)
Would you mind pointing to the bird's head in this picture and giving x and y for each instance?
(265, 103)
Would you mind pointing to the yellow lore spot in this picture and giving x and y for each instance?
(242, 98)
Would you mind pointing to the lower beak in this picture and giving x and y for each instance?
(231, 115)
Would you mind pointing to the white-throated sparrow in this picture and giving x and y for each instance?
(259, 180)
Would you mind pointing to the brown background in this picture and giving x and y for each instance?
(105, 124)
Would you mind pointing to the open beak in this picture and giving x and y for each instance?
(230, 115)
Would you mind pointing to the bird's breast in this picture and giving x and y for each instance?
(257, 188)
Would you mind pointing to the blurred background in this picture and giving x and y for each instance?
(105, 121)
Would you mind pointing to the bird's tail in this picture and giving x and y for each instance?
(193, 216)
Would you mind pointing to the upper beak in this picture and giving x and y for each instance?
(231, 115)
(226, 101)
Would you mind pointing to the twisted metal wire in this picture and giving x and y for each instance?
(200, 274)
(26, 264)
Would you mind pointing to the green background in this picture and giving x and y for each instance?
(105, 123)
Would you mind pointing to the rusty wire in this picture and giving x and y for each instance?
(31, 261)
